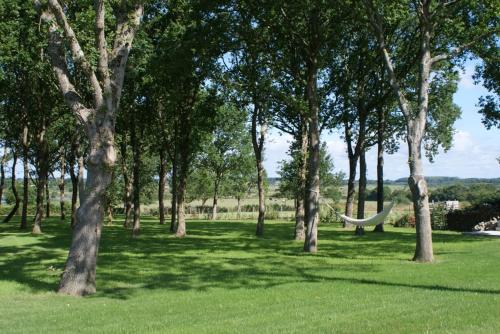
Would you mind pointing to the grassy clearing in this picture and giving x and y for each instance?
(221, 279)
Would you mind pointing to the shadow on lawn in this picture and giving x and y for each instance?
(214, 255)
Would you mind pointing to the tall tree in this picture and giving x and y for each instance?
(96, 115)
(227, 149)
(14, 189)
(250, 78)
(443, 31)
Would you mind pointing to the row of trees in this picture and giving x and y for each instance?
(204, 83)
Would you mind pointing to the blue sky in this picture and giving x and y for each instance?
(473, 154)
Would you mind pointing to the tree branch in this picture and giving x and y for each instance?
(58, 61)
(128, 23)
(102, 63)
(379, 32)
(76, 51)
(455, 51)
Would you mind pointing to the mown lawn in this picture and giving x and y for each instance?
(221, 279)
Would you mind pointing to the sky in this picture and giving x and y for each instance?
(473, 154)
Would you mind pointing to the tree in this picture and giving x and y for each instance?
(227, 149)
(14, 189)
(443, 31)
(188, 91)
(96, 115)
(240, 181)
(3, 160)
(250, 79)
(290, 187)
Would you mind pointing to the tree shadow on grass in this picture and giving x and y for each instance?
(214, 255)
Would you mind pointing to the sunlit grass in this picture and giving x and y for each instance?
(221, 279)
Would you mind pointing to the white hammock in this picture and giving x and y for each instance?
(375, 220)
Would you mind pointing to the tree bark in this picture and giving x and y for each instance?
(14, 189)
(420, 196)
(78, 278)
(162, 175)
(302, 172)
(312, 192)
(26, 179)
(61, 185)
(380, 165)
(361, 192)
(258, 139)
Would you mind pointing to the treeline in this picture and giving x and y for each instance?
(475, 193)
(447, 180)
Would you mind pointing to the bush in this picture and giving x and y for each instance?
(466, 219)
(406, 220)
(401, 196)
(438, 217)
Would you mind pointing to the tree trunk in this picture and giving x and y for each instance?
(161, 185)
(40, 190)
(128, 187)
(238, 208)
(47, 197)
(351, 186)
(312, 189)
(110, 214)
(74, 193)
(302, 172)
(418, 187)
(61, 186)
(258, 140)
(380, 166)
(181, 194)
(173, 216)
(78, 278)
(14, 189)
(26, 180)
(137, 156)
(42, 170)
(214, 203)
(2, 174)
(361, 192)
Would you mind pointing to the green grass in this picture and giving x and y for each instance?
(221, 279)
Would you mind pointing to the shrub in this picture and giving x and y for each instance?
(466, 219)
(406, 220)
(438, 217)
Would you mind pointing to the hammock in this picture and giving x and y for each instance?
(375, 220)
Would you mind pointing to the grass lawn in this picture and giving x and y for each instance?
(221, 279)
